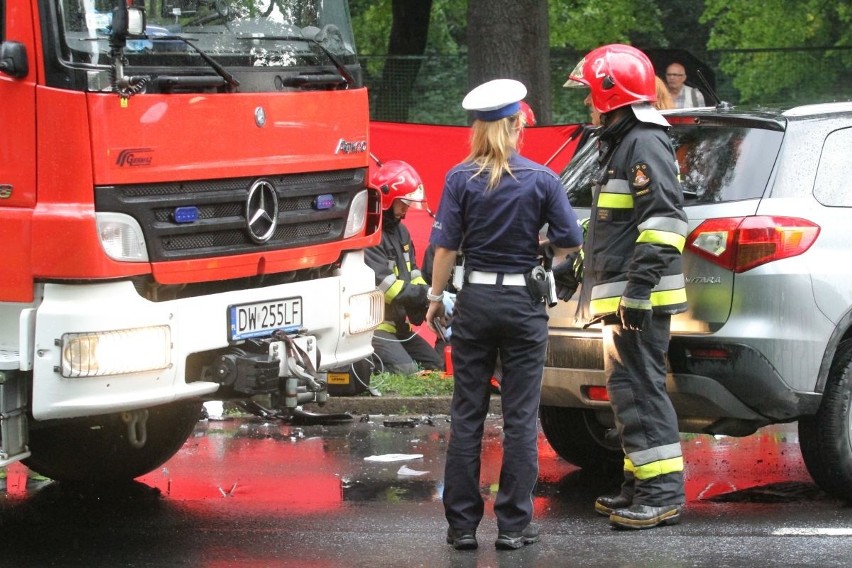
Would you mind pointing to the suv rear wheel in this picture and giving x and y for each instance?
(825, 437)
(577, 436)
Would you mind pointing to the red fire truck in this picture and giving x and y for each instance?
(183, 213)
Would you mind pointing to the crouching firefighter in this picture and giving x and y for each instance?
(633, 280)
(394, 261)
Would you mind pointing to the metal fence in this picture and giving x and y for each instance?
(442, 82)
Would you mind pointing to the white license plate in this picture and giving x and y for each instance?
(261, 319)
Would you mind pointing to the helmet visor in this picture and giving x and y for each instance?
(575, 78)
(415, 199)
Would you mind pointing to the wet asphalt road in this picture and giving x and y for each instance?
(249, 492)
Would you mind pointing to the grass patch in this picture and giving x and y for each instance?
(424, 383)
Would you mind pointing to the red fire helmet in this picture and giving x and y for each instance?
(617, 74)
(398, 180)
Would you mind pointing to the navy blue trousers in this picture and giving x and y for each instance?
(491, 321)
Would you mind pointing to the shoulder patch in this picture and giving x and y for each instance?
(641, 176)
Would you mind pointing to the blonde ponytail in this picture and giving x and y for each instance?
(491, 145)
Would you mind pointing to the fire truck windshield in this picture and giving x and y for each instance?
(236, 34)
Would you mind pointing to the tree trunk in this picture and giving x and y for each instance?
(509, 39)
(409, 30)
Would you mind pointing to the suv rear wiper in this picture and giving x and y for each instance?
(230, 80)
(300, 80)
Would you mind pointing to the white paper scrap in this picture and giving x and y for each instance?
(407, 471)
(393, 457)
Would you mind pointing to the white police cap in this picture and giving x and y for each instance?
(495, 99)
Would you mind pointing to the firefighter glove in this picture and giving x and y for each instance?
(635, 315)
(566, 278)
(413, 299)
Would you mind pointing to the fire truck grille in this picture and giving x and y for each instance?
(195, 219)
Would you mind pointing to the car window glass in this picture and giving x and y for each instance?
(580, 174)
(722, 163)
(718, 163)
(834, 177)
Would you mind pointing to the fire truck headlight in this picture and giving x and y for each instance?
(366, 311)
(357, 215)
(121, 237)
(116, 352)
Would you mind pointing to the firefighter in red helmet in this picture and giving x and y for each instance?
(633, 280)
(527, 113)
(399, 347)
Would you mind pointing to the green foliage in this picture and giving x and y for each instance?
(757, 41)
(423, 384)
(586, 24)
(371, 23)
(777, 51)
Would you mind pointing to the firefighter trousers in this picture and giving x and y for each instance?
(635, 366)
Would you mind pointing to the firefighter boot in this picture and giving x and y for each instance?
(639, 516)
(607, 504)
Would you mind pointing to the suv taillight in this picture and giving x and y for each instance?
(741, 243)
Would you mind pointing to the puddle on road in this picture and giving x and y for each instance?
(781, 492)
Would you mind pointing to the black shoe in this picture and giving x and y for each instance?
(606, 505)
(645, 516)
(511, 540)
(462, 539)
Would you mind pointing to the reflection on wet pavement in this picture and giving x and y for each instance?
(249, 492)
(317, 468)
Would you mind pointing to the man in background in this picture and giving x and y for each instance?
(683, 95)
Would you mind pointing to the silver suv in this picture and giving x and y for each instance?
(768, 265)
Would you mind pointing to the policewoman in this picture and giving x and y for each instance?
(633, 279)
(492, 208)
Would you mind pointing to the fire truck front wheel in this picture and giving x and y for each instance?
(110, 448)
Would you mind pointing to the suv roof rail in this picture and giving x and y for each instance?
(819, 108)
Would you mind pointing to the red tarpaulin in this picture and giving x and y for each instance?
(433, 150)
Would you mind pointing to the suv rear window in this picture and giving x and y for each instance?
(718, 163)
(724, 163)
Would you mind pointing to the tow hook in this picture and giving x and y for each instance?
(137, 432)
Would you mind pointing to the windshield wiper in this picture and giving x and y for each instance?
(230, 80)
(303, 79)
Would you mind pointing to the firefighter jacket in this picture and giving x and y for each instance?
(637, 229)
(397, 276)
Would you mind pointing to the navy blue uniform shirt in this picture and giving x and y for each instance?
(497, 229)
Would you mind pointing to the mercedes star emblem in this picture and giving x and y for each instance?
(262, 211)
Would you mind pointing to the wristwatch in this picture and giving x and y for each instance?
(432, 297)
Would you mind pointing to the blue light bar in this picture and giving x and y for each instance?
(324, 201)
(186, 214)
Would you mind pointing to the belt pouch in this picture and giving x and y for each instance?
(537, 283)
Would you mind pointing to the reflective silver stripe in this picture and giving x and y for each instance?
(665, 224)
(636, 304)
(385, 284)
(612, 289)
(609, 290)
(616, 186)
(671, 282)
(416, 274)
(655, 454)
